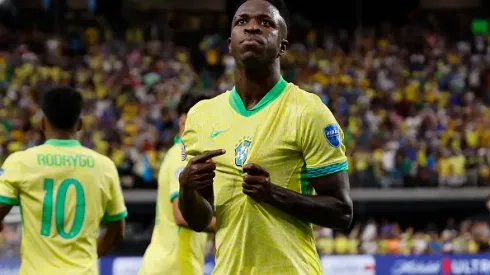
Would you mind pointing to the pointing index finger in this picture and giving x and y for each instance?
(208, 155)
(254, 169)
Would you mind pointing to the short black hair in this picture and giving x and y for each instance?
(187, 101)
(62, 107)
(280, 6)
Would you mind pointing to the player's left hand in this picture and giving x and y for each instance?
(256, 183)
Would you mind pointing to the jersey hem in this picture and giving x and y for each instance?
(9, 200)
(114, 218)
(174, 195)
(327, 170)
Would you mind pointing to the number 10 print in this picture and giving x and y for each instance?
(59, 208)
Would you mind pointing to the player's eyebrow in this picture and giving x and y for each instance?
(246, 15)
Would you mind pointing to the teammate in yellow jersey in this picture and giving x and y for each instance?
(65, 192)
(174, 249)
(256, 154)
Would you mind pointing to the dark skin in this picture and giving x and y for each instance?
(113, 232)
(178, 217)
(258, 39)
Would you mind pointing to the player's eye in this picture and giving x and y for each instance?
(241, 22)
(266, 23)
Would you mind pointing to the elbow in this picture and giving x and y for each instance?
(346, 215)
(344, 222)
(198, 228)
(199, 225)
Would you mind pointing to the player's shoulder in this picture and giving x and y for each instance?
(209, 104)
(305, 100)
(173, 158)
(100, 159)
(24, 155)
(174, 153)
(16, 157)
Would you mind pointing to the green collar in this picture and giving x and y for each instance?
(63, 142)
(177, 140)
(237, 103)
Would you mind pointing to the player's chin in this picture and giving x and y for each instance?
(252, 59)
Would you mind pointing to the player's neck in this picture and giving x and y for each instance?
(253, 84)
(60, 135)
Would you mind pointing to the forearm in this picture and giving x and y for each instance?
(196, 210)
(321, 210)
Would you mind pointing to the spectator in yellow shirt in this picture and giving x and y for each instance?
(458, 168)
(341, 244)
(444, 168)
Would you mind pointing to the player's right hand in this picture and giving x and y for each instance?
(199, 172)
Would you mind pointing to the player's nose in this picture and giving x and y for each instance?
(253, 27)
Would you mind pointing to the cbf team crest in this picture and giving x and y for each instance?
(241, 151)
(332, 134)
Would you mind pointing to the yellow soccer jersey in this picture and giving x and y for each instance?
(64, 191)
(173, 249)
(295, 137)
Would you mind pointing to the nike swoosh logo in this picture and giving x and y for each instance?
(216, 133)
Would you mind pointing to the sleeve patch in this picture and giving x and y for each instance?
(332, 135)
(183, 155)
(2, 171)
(178, 171)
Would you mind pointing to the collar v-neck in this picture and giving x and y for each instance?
(237, 104)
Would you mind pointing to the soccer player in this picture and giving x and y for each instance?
(65, 191)
(256, 154)
(174, 248)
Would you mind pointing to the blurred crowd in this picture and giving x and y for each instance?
(413, 115)
(388, 239)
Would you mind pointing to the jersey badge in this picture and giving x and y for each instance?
(241, 151)
(332, 135)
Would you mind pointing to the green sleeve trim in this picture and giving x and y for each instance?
(115, 218)
(9, 200)
(174, 195)
(327, 170)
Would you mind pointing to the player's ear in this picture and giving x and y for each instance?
(284, 47)
(42, 124)
(79, 125)
(182, 119)
(229, 44)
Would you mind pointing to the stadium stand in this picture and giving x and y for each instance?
(415, 111)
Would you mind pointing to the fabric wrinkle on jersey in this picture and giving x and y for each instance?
(286, 137)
